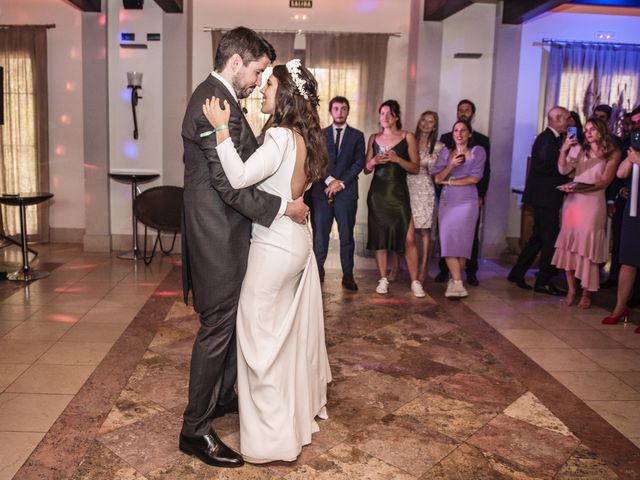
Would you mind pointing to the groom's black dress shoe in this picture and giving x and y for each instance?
(222, 410)
(349, 283)
(519, 281)
(210, 450)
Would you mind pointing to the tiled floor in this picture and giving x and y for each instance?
(423, 388)
(55, 331)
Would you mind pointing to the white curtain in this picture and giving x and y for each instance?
(24, 137)
(352, 65)
(582, 75)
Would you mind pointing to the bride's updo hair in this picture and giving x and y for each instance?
(297, 108)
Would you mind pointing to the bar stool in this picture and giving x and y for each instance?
(22, 200)
(134, 178)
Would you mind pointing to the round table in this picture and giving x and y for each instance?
(23, 200)
(134, 178)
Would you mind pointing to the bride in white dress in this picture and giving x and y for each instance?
(283, 368)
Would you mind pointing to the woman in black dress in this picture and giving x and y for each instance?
(629, 251)
(391, 154)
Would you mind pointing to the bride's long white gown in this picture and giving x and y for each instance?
(283, 368)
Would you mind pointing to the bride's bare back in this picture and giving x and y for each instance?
(299, 178)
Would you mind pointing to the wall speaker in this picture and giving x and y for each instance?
(133, 4)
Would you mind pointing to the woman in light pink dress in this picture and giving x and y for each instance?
(582, 245)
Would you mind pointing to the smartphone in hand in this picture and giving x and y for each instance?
(572, 132)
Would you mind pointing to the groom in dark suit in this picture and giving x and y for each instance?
(540, 192)
(215, 233)
(337, 195)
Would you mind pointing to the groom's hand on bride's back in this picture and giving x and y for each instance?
(297, 211)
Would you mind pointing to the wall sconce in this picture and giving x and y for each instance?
(134, 81)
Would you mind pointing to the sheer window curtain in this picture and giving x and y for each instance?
(583, 75)
(352, 65)
(24, 137)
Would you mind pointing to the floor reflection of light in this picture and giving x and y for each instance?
(79, 266)
(168, 293)
(59, 317)
(386, 300)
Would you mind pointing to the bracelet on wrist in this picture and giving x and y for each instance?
(221, 127)
(450, 181)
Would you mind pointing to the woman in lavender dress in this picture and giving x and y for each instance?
(458, 171)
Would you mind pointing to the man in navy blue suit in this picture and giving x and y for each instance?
(337, 195)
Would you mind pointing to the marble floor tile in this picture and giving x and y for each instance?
(122, 300)
(597, 385)
(623, 415)
(22, 352)
(100, 314)
(32, 299)
(630, 378)
(530, 409)
(585, 465)
(624, 335)
(362, 399)
(75, 353)
(129, 409)
(404, 443)
(455, 418)
(100, 463)
(469, 462)
(57, 379)
(533, 448)
(148, 444)
(590, 338)
(16, 448)
(190, 468)
(344, 462)
(38, 331)
(562, 360)
(25, 412)
(17, 313)
(476, 389)
(519, 321)
(614, 359)
(554, 323)
(6, 327)
(58, 314)
(94, 332)
(523, 338)
(9, 372)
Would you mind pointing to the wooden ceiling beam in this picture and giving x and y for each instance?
(171, 6)
(86, 5)
(437, 10)
(515, 12)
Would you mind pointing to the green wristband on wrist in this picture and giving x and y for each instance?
(216, 129)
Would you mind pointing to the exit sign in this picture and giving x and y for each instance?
(300, 3)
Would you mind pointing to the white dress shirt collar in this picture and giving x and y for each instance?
(555, 132)
(226, 84)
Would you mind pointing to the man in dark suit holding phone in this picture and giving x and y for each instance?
(466, 111)
(541, 193)
(337, 195)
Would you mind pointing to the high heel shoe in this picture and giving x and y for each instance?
(612, 320)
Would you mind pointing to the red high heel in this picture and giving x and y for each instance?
(612, 320)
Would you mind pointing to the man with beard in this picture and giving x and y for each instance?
(216, 231)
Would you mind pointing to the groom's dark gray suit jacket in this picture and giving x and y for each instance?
(217, 219)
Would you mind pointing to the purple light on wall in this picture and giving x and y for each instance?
(367, 6)
(131, 150)
(125, 95)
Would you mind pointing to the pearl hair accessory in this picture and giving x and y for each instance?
(293, 67)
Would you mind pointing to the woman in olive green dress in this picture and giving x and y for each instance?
(391, 154)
